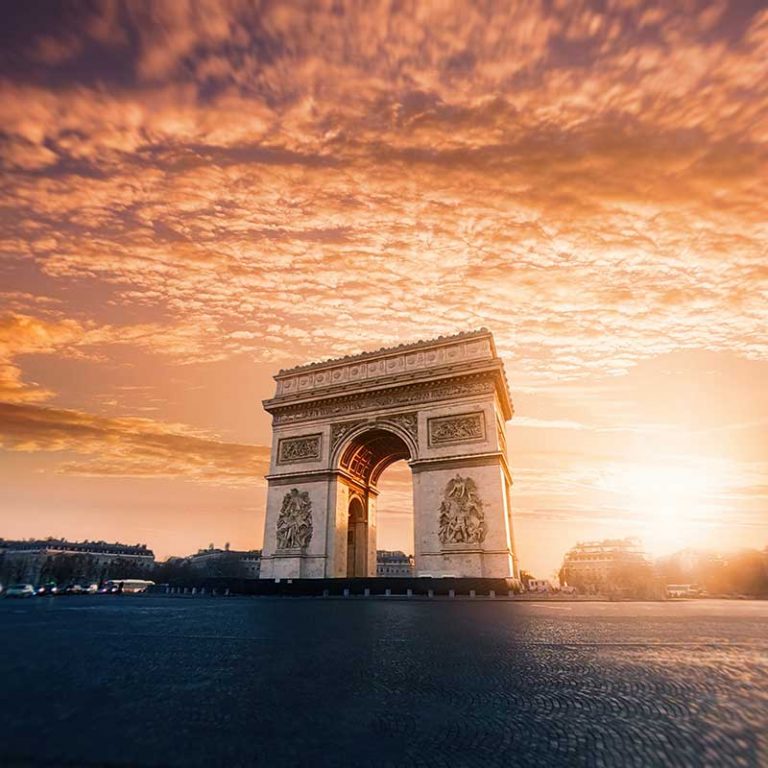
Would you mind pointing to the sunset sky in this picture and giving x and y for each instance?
(195, 195)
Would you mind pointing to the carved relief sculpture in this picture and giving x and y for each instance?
(407, 421)
(293, 449)
(294, 525)
(340, 431)
(409, 395)
(462, 520)
(353, 368)
(457, 429)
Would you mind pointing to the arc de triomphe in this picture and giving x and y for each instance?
(442, 406)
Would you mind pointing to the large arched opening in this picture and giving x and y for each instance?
(363, 460)
(395, 529)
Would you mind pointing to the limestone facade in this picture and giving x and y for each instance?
(442, 406)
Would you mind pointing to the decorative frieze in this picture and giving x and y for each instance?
(409, 395)
(461, 428)
(462, 519)
(359, 368)
(293, 450)
(294, 525)
(409, 422)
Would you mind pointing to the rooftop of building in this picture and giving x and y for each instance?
(391, 555)
(211, 551)
(94, 547)
(397, 348)
(626, 543)
(606, 547)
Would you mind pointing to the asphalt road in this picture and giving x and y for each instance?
(162, 681)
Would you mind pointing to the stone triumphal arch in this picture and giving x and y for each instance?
(441, 405)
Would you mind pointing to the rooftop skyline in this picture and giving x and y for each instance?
(197, 195)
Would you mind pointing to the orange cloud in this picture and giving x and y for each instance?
(129, 447)
(25, 335)
(292, 174)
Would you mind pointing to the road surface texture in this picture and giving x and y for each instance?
(163, 681)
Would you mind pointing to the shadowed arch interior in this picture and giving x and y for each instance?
(357, 536)
(366, 456)
(371, 452)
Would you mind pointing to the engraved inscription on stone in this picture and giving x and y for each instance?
(465, 427)
(462, 520)
(294, 525)
(294, 449)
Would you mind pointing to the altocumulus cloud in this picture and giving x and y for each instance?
(129, 447)
(56, 336)
(276, 179)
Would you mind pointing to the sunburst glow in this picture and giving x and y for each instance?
(673, 506)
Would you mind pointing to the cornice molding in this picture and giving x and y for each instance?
(404, 396)
(464, 460)
(384, 351)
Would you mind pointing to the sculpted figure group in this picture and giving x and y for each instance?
(294, 525)
(462, 520)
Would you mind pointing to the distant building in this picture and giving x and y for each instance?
(606, 566)
(393, 563)
(38, 560)
(740, 572)
(214, 562)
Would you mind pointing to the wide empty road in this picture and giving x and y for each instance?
(162, 681)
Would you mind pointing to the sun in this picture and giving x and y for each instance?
(672, 504)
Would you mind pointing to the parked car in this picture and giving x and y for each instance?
(47, 589)
(20, 590)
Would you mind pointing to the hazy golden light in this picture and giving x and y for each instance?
(674, 504)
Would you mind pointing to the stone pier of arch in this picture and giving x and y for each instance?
(442, 406)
